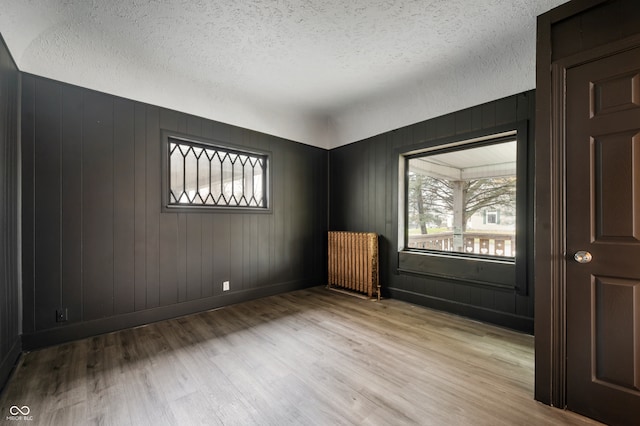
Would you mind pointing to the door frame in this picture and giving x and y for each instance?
(550, 256)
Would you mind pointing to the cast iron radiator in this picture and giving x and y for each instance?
(353, 262)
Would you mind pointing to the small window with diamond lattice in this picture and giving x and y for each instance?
(201, 174)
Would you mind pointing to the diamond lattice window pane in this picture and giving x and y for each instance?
(216, 177)
(191, 175)
(238, 181)
(227, 178)
(258, 172)
(248, 181)
(202, 175)
(176, 177)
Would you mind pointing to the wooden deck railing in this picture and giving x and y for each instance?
(493, 244)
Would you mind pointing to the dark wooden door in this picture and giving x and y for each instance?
(603, 218)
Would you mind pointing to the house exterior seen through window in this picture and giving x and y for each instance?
(463, 200)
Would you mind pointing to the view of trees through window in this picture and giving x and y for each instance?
(463, 200)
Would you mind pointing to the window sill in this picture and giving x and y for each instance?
(475, 271)
(215, 209)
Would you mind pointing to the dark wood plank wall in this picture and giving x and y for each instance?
(10, 346)
(96, 242)
(364, 196)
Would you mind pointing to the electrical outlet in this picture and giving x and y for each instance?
(225, 286)
(62, 315)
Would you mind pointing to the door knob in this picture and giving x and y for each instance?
(583, 256)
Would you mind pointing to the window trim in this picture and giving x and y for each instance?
(438, 264)
(459, 146)
(167, 136)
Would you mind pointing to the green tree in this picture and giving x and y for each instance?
(431, 199)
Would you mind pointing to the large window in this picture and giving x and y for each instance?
(462, 199)
(201, 175)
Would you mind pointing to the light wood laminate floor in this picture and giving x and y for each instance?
(308, 357)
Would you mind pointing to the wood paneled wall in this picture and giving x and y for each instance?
(364, 197)
(96, 242)
(10, 347)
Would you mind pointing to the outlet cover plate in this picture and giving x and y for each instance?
(62, 315)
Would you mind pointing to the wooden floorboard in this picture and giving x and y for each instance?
(311, 357)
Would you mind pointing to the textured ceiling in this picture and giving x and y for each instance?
(321, 72)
